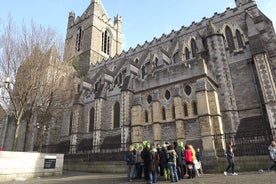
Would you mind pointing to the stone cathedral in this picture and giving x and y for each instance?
(215, 76)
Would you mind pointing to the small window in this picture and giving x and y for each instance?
(149, 99)
(167, 95)
(188, 90)
(79, 39)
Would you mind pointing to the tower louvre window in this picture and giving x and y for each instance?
(106, 42)
(79, 39)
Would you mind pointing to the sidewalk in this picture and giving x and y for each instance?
(96, 178)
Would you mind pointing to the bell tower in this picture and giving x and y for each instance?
(92, 37)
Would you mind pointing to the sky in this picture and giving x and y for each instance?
(142, 19)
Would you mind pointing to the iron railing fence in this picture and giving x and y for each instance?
(245, 144)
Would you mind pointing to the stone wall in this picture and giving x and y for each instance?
(27, 165)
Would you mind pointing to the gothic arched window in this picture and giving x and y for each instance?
(173, 112)
(193, 47)
(71, 123)
(146, 116)
(116, 115)
(91, 119)
(106, 42)
(185, 108)
(79, 39)
(239, 39)
(229, 39)
(194, 107)
(163, 113)
(187, 53)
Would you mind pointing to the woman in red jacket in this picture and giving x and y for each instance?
(189, 160)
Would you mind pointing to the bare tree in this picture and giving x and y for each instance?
(30, 65)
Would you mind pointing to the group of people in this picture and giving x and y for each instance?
(171, 162)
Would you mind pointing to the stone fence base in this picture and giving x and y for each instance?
(245, 163)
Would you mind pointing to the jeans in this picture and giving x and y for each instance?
(131, 172)
(152, 176)
(231, 165)
(173, 172)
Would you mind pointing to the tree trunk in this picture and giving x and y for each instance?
(15, 140)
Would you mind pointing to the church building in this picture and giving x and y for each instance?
(213, 77)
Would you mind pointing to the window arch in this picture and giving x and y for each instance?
(187, 53)
(163, 113)
(239, 39)
(194, 105)
(116, 115)
(193, 47)
(185, 108)
(146, 116)
(79, 39)
(106, 42)
(91, 119)
(229, 39)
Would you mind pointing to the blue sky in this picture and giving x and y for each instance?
(142, 19)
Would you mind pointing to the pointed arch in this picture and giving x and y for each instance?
(116, 115)
(91, 119)
(229, 39)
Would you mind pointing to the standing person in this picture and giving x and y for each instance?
(179, 161)
(230, 158)
(145, 156)
(198, 158)
(139, 162)
(1, 148)
(272, 154)
(153, 165)
(131, 158)
(189, 160)
(164, 169)
(172, 157)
